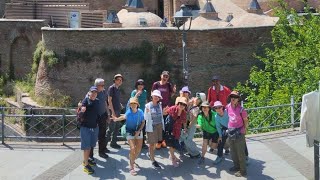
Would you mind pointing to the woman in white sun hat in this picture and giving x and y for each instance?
(154, 123)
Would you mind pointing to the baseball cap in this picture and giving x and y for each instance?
(215, 78)
(93, 88)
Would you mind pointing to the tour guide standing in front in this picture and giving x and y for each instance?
(89, 129)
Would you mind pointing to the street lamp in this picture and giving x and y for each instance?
(180, 19)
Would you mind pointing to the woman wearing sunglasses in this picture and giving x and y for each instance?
(179, 114)
(238, 122)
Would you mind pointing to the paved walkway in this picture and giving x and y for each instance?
(277, 155)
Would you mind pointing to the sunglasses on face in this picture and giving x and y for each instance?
(165, 76)
(182, 104)
(220, 107)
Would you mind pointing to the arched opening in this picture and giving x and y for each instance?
(20, 58)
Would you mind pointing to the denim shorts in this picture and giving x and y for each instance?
(211, 136)
(89, 137)
(130, 137)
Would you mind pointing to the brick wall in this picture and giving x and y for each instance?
(18, 41)
(227, 52)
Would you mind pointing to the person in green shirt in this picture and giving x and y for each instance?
(207, 123)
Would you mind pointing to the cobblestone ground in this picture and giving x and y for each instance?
(277, 155)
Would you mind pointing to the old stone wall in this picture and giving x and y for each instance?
(226, 52)
(18, 39)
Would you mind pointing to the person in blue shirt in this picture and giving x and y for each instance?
(141, 94)
(134, 125)
(222, 120)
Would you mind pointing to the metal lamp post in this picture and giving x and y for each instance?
(180, 19)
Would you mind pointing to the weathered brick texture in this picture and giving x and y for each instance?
(226, 52)
(18, 39)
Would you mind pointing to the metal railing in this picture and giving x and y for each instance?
(60, 124)
(268, 118)
(26, 124)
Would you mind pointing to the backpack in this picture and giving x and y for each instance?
(234, 133)
(168, 124)
(79, 115)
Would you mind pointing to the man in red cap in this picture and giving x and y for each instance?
(218, 92)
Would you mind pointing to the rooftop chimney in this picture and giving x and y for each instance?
(208, 11)
(254, 7)
(134, 6)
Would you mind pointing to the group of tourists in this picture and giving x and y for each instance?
(161, 123)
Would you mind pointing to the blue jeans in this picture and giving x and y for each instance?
(190, 145)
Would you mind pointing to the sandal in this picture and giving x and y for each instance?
(175, 163)
(136, 165)
(175, 159)
(133, 172)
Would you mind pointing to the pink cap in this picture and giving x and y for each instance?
(217, 104)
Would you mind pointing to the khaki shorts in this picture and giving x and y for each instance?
(156, 135)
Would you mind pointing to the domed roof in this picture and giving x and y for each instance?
(138, 19)
(207, 23)
(251, 19)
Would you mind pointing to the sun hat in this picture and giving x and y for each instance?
(217, 104)
(205, 104)
(134, 100)
(186, 89)
(156, 93)
(116, 76)
(235, 94)
(182, 100)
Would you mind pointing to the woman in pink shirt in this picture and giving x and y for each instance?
(237, 125)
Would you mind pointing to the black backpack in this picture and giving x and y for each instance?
(168, 124)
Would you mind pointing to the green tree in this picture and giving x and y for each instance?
(291, 66)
